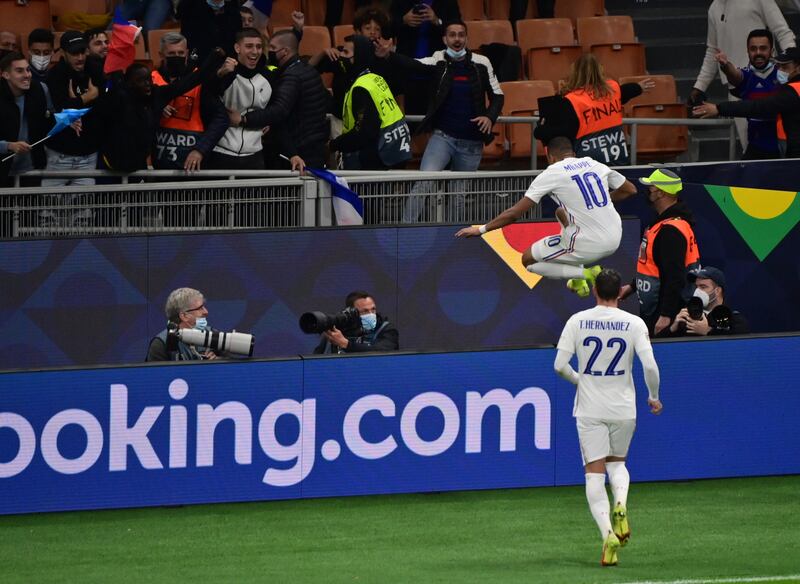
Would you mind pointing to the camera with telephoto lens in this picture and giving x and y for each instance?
(694, 306)
(348, 320)
(217, 341)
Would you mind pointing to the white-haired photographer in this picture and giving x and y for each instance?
(185, 309)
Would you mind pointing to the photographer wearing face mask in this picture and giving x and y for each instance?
(784, 104)
(716, 317)
(185, 308)
(376, 333)
(192, 123)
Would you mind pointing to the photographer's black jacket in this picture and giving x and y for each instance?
(388, 339)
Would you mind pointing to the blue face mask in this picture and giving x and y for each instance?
(456, 54)
(369, 322)
(215, 5)
(783, 77)
(201, 323)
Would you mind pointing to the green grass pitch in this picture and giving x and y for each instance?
(713, 530)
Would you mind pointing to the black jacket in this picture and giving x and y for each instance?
(37, 114)
(407, 36)
(58, 82)
(299, 104)
(785, 102)
(388, 339)
(204, 29)
(440, 69)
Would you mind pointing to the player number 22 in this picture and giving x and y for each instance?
(598, 346)
(591, 197)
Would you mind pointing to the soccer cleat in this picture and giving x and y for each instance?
(591, 273)
(619, 520)
(579, 286)
(610, 546)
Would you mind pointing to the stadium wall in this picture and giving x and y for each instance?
(334, 426)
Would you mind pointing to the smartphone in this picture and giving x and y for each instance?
(419, 8)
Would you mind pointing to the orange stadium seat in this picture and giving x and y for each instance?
(661, 142)
(621, 60)
(543, 32)
(522, 99)
(604, 30)
(282, 12)
(484, 32)
(341, 32)
(61, 7)
(21, 20)
(472, 10)
(552, 63)
(665, 91)
(315, 39)
(575, 9)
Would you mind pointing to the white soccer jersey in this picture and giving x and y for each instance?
(582, 186)
(604, 340)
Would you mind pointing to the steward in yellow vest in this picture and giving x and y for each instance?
(375, 133)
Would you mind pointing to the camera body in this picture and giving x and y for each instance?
(694, 306)
(419, 8)
(217, 341)
(347, 321)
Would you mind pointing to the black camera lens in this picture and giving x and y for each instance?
(694, 306)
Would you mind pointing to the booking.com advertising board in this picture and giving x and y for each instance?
(261, 430)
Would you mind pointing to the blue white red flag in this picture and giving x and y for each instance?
(121, 49)
(347, 205)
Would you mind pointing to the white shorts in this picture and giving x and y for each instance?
(602, 438)
(565, 248)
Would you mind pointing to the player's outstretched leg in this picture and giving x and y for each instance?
(589, 274)
(610, 546)
(620, 481)
(597, 498)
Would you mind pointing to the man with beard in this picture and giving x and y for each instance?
(97, 45)
(192, 123)
(756, 81)
(376, 136)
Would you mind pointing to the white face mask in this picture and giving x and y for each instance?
(703, 295)
(783, 77)
(40, 62)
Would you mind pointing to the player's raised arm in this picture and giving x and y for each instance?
(626, 190)
(505, 218)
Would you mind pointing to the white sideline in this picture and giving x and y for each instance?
(720, 580)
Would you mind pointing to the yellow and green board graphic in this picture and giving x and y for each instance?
(762, 217)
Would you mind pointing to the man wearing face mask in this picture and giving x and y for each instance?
(756, 81)
(192, 123)
(185, 308)
(717, 318)
(375, 334)
(40, 48)
(376, 135)
(667, 253)
(784, 104)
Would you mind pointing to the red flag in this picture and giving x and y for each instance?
(121, 50)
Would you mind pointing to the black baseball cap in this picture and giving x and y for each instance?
(710, 273)
(790, 55)
(73, 42)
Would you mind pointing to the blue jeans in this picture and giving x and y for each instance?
(465, 155)
(150, 14)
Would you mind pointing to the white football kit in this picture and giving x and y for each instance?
(605, 340)
(582, 187)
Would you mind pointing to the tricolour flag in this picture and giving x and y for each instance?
(347, 205)
(121, 49)
(65, 118)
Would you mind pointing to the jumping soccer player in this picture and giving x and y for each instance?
(605, 338)
(591, 228)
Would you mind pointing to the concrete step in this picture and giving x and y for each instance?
(671, 26)
(666, 55)
(657, 7)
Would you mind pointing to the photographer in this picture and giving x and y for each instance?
(714, 318)
(186, 309)
(373, 333)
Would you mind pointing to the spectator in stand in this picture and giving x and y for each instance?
(376, 136)
(41, 43)
(209, 23)
(728, 23)
(460, 84)
(419, 26)
(717, 318)
(192, 123)
(150, 14)
(71, 87)
(299, 105)
(756, 81)
(246, 85)
(784, 104)
(8, 42)
(248, 20)
(519, 8)
(588, 109)
(373, 24)
(25, 118)
(333, 10)
(97, 39)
